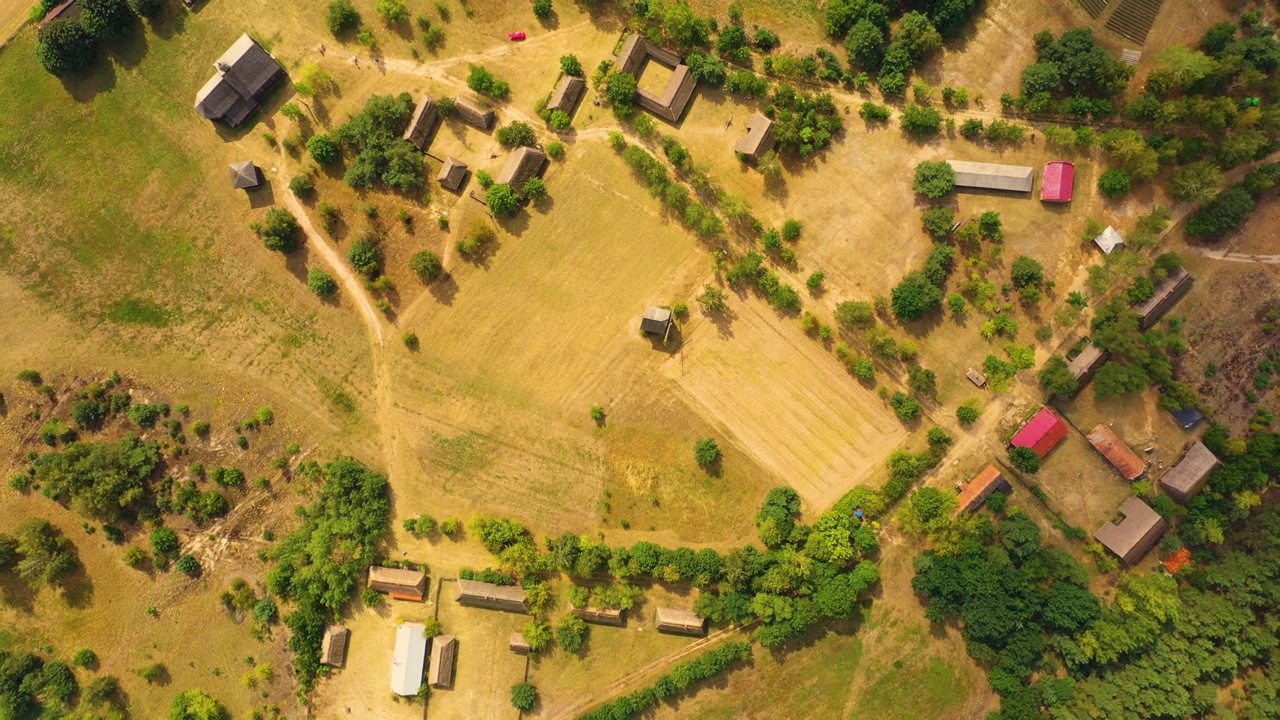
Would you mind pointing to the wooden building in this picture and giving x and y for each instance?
(602, 616)
(1168, 292)
(758, 140)
(524, 164)
(680, 622)
(453, 175)
(333, 648)
(993, 176)
(422, 123)
(567, 93)
(245, 175)
(472, 113)
(518, 644)
(1136, 534)
(245, 74)
(440, 669)
(493, 597)
(1190, 473)
(399, 583)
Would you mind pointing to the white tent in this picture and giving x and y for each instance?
(409, 658)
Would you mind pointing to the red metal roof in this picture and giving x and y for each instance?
(1059, 179)
(1041, 433)
(1124, 460)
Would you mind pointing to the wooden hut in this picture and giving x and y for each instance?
(440, 669)
(1168, 292)
(567, 93)
(473, 114)
(453, 175)
(422, 123)
(245, 175)
(333, 648)
(602, 616)
(680, 622)
(245, 74)
(976, 377)
(1083, 366)
(1190, 473)
(494, 597)
(399, 583)
(671, 104)
(758, 140)
(524, 164)
(518, 644)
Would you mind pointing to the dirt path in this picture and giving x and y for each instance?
(617, 687)
(1237, 257)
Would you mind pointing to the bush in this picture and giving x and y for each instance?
(534, 189)
(64, 48)
(105, 19)
(569, 65)
(571, 632)
(555, 150)
(872, 112)
(814, 282)
(197, 705)
(967, 414)
(934, 179)
(938, 221)
(915, 296)
(1113, 183)
(597, 413)
(516, 134)
(278, 230)
(542, 9)
(164, 542)
(188, 565)
(971, 129)
(392, 11)
(134, 556)
(706, 451)
(1025, 459)
(524, 696)
(321, 283)
(918, 121)
(85, 658)
(791, 230)
(370, 598)
(482, 81)
(365, 257)
(153, 673)
(906, 407)
(323, 148)
(302, 186)
(501, 199)
(101, 691)
(426, 265)
(341, 17)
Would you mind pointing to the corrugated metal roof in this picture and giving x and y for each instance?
(1059, 181)
(1114, 449)
(1109, 241)
(408, 659)
(993, 176)
(1041, 433)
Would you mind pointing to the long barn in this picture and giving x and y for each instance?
(992, 176)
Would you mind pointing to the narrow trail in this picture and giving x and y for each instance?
(1237, 257)
(616, 688)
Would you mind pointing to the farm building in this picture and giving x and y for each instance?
(493, 597)
(759, 137)
(245, 175)
(1112, 447)
(1136, 534)
(675, 98)
(981, 487)
(1168, 293)
(680, 622)
(1084, 365)
(333, 648)
(524, 163)
(440, 670)
(245, 73)
(399, 583)
(566, 95)
(1187, 418)
(992, 176)
(472, 113)
(422, 123)
(976, 377)
(408, 658)
(1059, 181)
(453, 175)
(656, 321)
(518, 644)
(68, 9)
(601, 616)
(1109, 241)
(1190, 473)
(1041, 433)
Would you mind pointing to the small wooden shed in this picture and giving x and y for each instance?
(399, 583)
(453, 175)
(975, 377)
(491, 596)
(656, 321)
(245, 175)
(680, 622)
(518, 644)
(333, 649)
(472, 113)
(602, 616)
(422, 123)
(440, 669)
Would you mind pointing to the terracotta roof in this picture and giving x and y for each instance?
(1041, 433)
(1177, 561)
(1113, 448)
(977, 490)
(1059, 179)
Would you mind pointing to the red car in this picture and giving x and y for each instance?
(518, 35)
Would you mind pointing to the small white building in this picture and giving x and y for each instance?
(1109, 241)
(409, 658)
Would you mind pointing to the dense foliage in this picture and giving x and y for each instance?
(682, 677)
(382, 155)
(803, 123)
(102, 481)
(63, 47)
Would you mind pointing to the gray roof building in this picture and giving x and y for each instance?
(656, 321)
(246, 72)
(1168, 292)
(493, 597)
(1109, 241)
(245, 175)
(518, 645)
(1136, 534)
(1084, 365)
(567, 93)
(759, 137)
(472, 113)
(422, 123)
(453, 175)
(993, 176)
(408, 658)
(440, 669)
(525, 163)
(1190, 473)
(680, 622)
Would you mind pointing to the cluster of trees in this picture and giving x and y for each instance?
(31, 686)
(750, 271)
(318, 566)
(682, 677)
(382, 155)
(1233, 489)
(674, 194)
(102, 481)
(484, 82)
(876, 44)
(922, 290)
(803, 123)
(1073, 67)
(38, 553)
(68, 45)
(1230, 207)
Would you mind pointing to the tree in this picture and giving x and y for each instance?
(341, 17)
(1025, 459)
(1117, 378)
(1056, 378)
(914, 296)
(1026, 271)
(47, 554)
(967, 414)
(278, 230)
(105, 19)
(197, 705)
(321, 283)
(538, 634)
(1222, 214)
(571, 632)
(855, 313)
(938, 220)
(570, 65)
(906, 407)
(100, 691)
(64, 48)
(534, 189)
(925, 509)
(426, 265)
(542, 9)
(1113, 183)
(147, 8)
(919, 121)
(501, 199)
(323, 148)
(865, 45)
(712, 299)
(392, 11)
(164, 541)
(524, 696)
(517, 133)
(934, 178)
(1041, 77)
(916, 33)
(365, 257)
(706, 451)
(621, 93)
(188, 565)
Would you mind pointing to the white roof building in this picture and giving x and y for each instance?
(409, 658)
(1109, 241)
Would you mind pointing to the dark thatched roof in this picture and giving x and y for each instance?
(472, 113)
(246, 72)
(524, 163)
(453, 174)
(1190, 473)
(567, 93)
(245, 175)
(422, 123)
